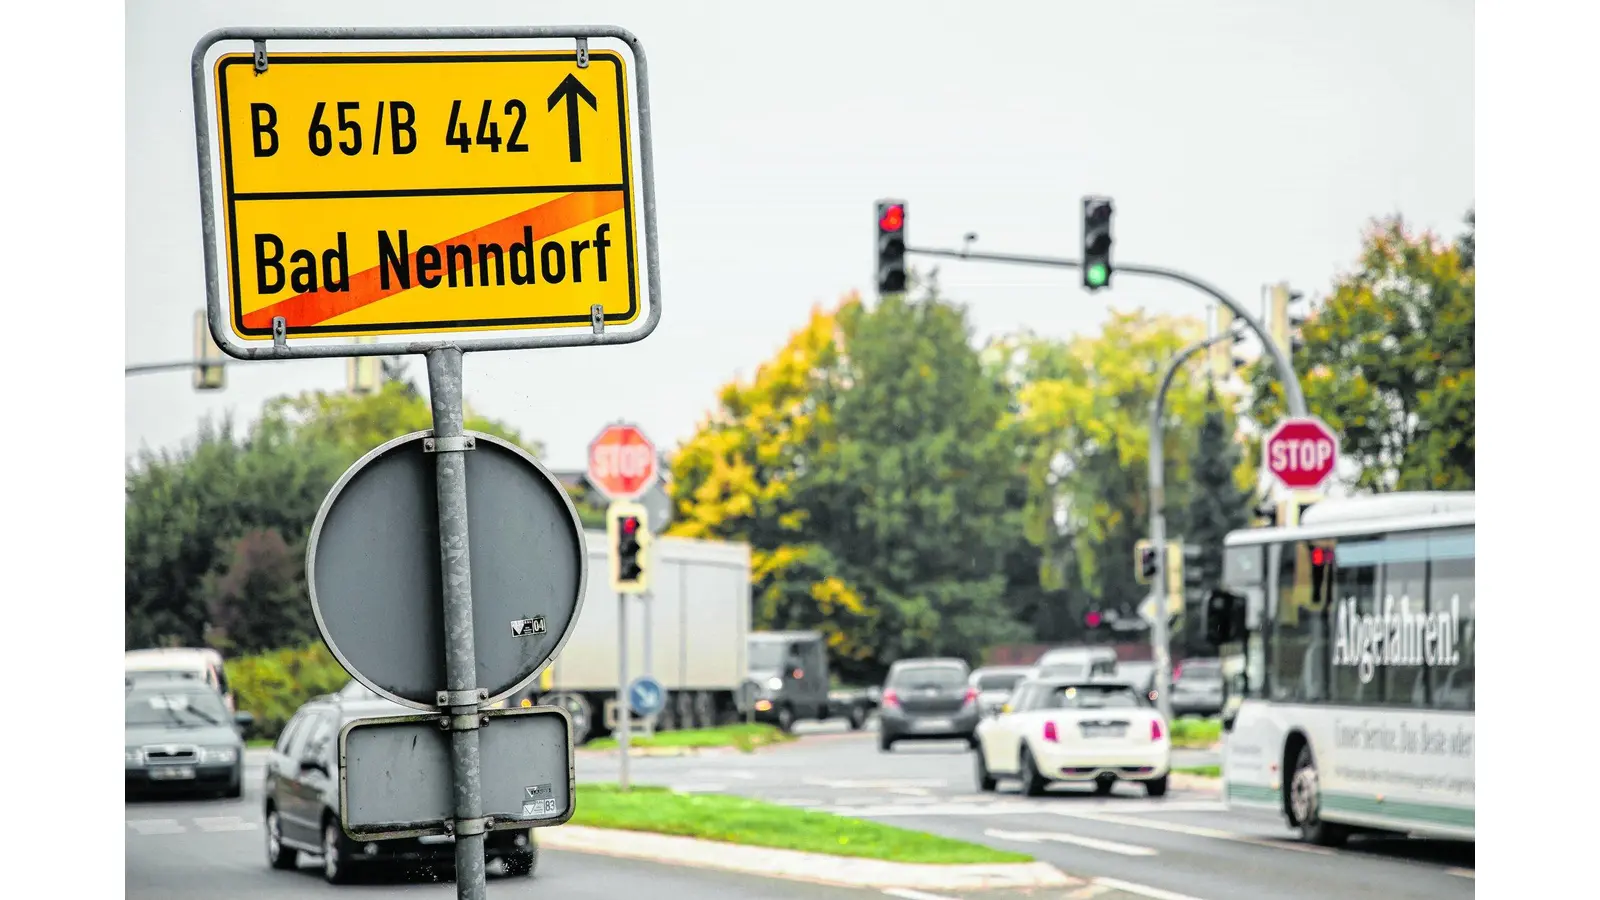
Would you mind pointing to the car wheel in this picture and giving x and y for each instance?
(1156, 787)
(785, 719)
(885, 743)
(1305, 804)
(335, 861)
(236, 786)
(522, 863)
(986, 779)
(279, 856)
(1033, 784)
(858, 718)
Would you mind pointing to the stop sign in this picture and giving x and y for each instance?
(622, 462)
(1301, 452)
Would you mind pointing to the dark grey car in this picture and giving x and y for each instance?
(179, 737)
(302, 801)
(1198, 689)
(927, 699)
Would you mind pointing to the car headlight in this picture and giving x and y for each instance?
(133, 756)
(216, 755)
(774, 683)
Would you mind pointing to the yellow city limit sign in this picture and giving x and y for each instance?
(407, 193)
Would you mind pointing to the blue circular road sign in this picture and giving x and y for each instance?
(646, 697)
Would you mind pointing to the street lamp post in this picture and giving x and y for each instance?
(1159, 639)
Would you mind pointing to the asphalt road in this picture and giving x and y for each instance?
(1184, 846)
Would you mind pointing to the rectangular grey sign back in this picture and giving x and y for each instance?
(394, 773)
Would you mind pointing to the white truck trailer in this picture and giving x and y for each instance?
(699, 605)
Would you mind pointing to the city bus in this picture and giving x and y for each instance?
(1351, 636)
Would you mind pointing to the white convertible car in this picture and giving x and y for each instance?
(1075, 730)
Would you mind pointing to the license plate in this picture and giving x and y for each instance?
(935, 725)
(1102, 731)
(172, 773)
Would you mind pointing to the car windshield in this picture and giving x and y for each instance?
(1091, 696)
(998, 681)
(767, 655)
(929, 677)
(177, 708)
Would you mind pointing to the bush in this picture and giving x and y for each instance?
(273, 685)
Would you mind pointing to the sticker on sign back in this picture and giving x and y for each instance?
(538, 802)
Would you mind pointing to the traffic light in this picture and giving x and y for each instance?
(209, 374)
(1321, 565)
(628, 532)
(1194, 572)
(891, 247)
(1144, 562)
(1284, 326)
(1175, 578)
(1096, 242)
(1225, 617)
(1093, 620)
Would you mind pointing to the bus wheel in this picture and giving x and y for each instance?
(1305, 803)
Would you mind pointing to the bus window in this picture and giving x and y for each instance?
(1451, 600)
(1405, 587)
(1357, 578)
(1300, 632)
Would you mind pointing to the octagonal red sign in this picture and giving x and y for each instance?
(622, 462)
(1301, 452)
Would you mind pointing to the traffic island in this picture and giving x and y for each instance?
(726, 739)
(750, 836)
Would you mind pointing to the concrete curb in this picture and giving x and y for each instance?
(796, 866)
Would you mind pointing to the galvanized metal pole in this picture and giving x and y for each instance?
(622, 690)
(461, 697)
(1291, 383)
(1159, 639)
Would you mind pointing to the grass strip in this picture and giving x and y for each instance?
(1201, 771)
(745, 737)
(740, 820)
(1196, 733)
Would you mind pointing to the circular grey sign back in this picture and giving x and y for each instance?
(373, 568)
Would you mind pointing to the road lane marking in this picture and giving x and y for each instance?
(1142, 890)
(1464, 873)
(911, 791)
(1196, 831)
(881, 785)
(148, 827)
(909, 894)
(223, 823)
(1035, 837)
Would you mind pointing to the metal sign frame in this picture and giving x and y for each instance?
(280, 347)
(333, 496)
(424, 829)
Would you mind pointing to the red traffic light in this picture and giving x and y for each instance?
(893, 218)
(630, 524)
(1092, 619)
(1321, 556)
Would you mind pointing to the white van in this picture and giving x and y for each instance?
(186, 663)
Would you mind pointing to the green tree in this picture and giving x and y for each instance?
(1389, 362)
(864, 464)
(258, 602)
(186, 510)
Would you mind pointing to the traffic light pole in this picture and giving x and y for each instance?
(1295, 400)
(1160, 640)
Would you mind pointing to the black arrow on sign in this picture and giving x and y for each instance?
(571, 89)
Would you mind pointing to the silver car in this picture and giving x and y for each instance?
(994, 685)
(1197, 688)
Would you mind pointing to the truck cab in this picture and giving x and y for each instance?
(789, 670)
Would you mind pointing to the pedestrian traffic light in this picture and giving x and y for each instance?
(1144, 562)
(1096, 242)
(628, 531)
(1093, 619)
(891, 247)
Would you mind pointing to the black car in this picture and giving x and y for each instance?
(927, 699)
(181, 738)
(302, 802)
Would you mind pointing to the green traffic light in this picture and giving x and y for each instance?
(1097, 275)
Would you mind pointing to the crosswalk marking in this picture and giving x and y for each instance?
(1142, 890)
(156, 826)
(223, 823)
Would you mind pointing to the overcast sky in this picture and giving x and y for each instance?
(1246, 142)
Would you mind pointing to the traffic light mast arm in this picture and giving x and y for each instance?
(1291, 383)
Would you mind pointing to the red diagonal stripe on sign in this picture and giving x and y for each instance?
(366, 287)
